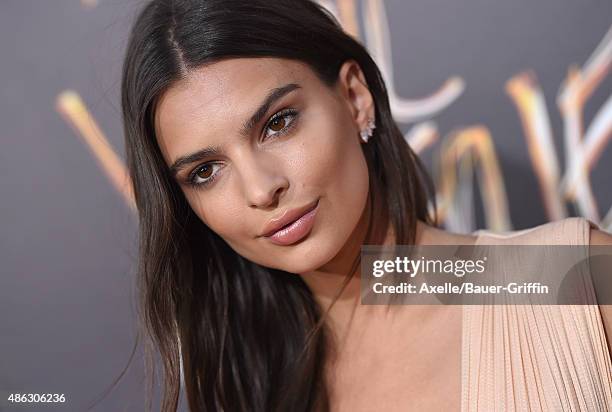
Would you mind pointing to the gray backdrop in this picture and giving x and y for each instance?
(68, 241)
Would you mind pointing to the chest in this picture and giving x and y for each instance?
(406, 369)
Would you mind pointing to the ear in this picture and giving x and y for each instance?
(354, 89)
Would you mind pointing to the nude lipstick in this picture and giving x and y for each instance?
(296, 229)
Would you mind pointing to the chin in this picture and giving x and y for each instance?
(300, 264)
(313, 256)
(301, 258)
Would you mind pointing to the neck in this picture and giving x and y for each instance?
(326, 282)
(338, 283)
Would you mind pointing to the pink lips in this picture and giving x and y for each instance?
(295, 231)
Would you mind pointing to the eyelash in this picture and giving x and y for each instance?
(278, 115)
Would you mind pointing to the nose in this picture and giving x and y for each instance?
(263, 181)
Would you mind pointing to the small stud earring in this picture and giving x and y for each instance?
(366, 133)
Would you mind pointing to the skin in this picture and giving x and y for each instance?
(320, 157)
(258, 177)
(265, 174)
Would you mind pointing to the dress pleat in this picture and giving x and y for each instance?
(537, 357)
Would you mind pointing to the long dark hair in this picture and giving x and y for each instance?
(249, 338)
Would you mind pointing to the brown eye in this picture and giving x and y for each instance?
(204, 172)
(281, 123)
(277, 124)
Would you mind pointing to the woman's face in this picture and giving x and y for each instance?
(239, 166)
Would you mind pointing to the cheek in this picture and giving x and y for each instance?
(221, 215)
(332, 165)
(224, 217)
(329, 155)
(336, 165)
(346, 186)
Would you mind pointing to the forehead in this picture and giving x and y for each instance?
(214, 97)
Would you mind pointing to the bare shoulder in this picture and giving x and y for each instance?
(430, 235)
(601, 238)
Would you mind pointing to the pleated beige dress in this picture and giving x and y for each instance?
(536, 357)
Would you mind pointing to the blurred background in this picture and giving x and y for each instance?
(508, 103)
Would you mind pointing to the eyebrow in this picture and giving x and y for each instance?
(246, 129)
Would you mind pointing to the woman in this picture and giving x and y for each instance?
(241, 117)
